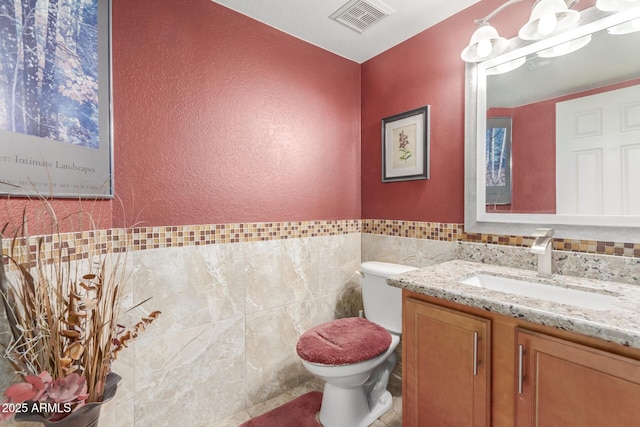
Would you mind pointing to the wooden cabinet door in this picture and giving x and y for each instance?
(446, 368)
(570, 385)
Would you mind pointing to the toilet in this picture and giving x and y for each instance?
(354, 356)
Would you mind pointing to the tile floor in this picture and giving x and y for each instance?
(392, 418)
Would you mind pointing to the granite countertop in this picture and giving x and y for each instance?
(619, 323)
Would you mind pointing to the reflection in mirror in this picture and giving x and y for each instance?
(574, 110)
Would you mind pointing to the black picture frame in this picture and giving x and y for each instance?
(405, 146)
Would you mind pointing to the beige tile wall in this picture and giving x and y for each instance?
(232, 314)
(234, 303)
(235, 298)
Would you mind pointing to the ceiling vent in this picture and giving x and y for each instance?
(361, 14)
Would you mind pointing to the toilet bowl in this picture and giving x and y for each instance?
(355, 356)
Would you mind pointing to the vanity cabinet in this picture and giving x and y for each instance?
(447, 362)
(561, 383)
(464, 366)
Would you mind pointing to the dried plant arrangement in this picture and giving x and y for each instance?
(62, 313)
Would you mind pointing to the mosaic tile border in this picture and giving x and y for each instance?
(80, 245)
(193, 235)
(452, 232)
(65, 247)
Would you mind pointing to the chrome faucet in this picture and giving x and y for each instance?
(542, 247)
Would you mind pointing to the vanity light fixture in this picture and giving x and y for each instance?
(548, 17)
(616, 5)
(619, 5)
(625, 28)
(485, 43)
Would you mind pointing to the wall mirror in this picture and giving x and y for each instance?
(552, 134)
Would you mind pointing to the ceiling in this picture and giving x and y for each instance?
(309, 20)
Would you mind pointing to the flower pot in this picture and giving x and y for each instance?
(86, 416)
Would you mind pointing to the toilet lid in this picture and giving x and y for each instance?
(343, 342)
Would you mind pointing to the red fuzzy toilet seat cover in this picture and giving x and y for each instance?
(343, 342)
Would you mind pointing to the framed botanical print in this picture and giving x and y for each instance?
(405, 146)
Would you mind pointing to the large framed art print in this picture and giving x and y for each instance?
(55, 98)
(405, 146)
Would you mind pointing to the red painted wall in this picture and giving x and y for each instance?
(405, 77)
(425, 69)
(219, 118)
(533, 161)
(534, 158)
(68, 215)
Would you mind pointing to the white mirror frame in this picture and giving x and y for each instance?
(476, 219)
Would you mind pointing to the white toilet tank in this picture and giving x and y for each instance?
(382, 303)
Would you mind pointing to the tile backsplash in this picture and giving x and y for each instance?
(421, 244)
(453, 232)
(593, 266)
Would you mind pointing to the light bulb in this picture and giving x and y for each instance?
(626, 27)
(503, 68)
(562, 49)
(484, 48)
(547, 24)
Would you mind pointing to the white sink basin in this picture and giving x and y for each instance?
(575, 297)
